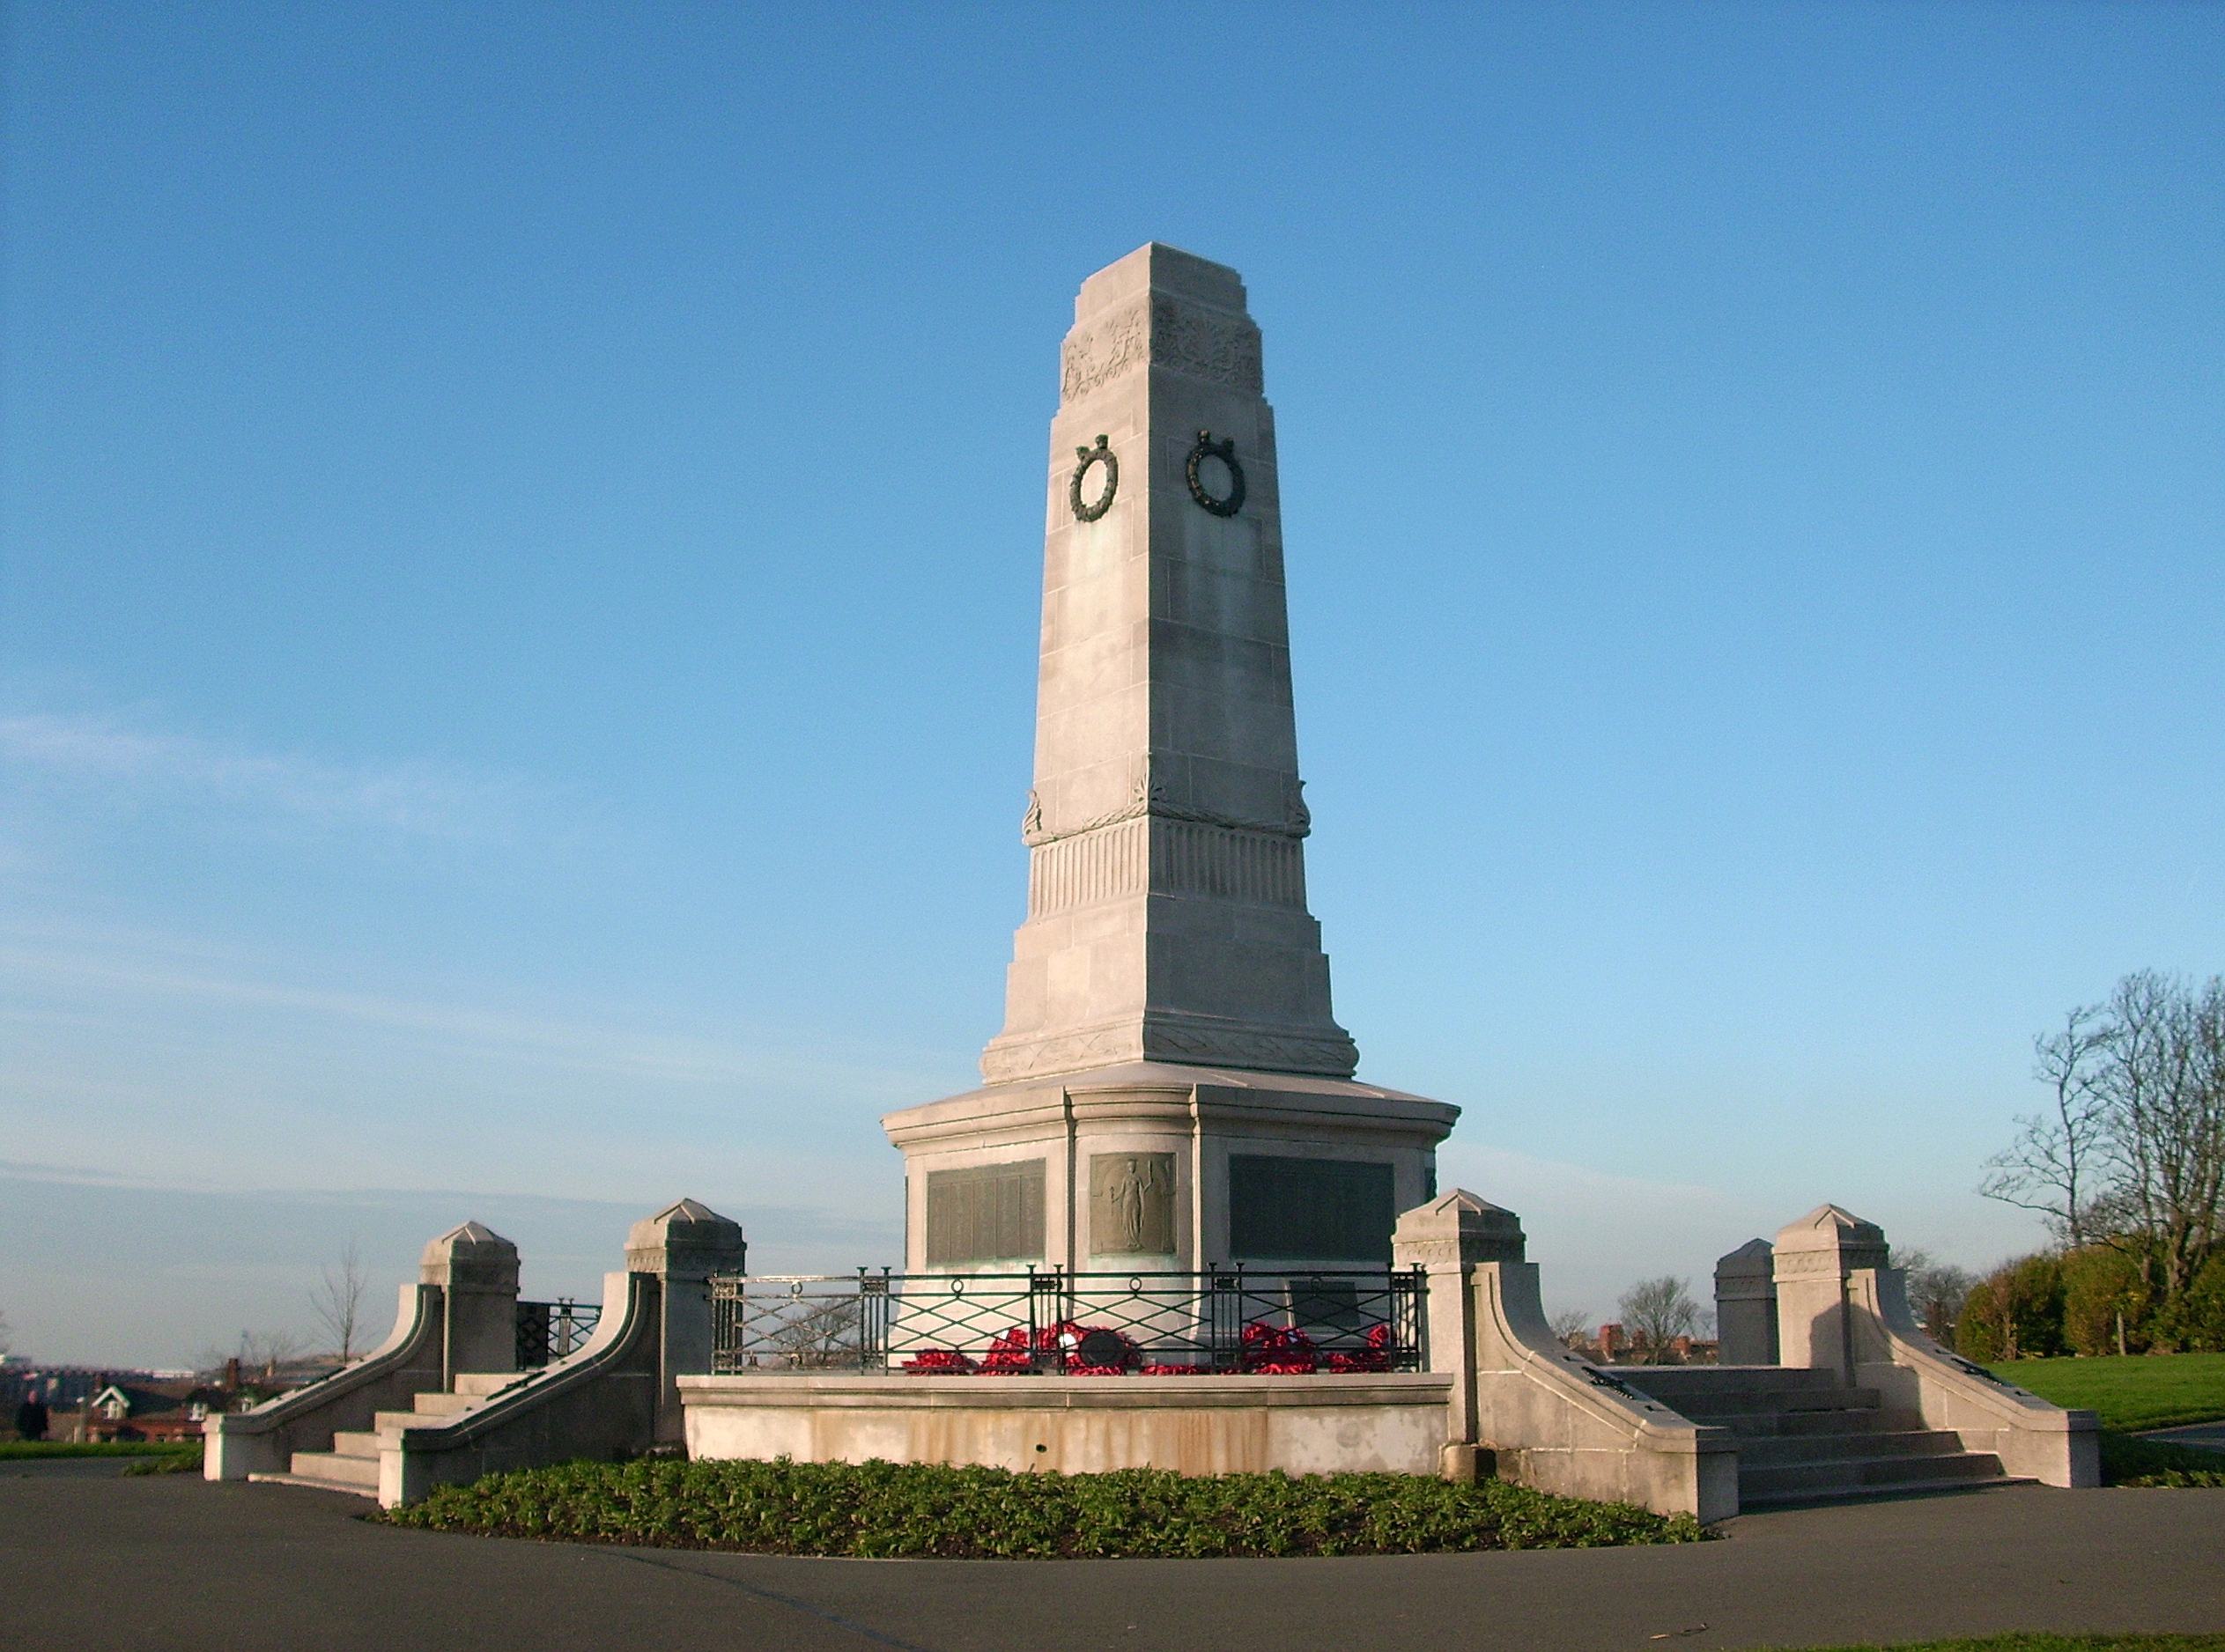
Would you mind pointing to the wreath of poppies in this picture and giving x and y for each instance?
(1074, 1349)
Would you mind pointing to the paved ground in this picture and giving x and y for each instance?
(2209, 1436)
(88, 1559)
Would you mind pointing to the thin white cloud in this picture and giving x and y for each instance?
(110, 755)
(102, 979)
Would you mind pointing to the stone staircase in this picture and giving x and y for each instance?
(352, 1464)
(1801, 1438)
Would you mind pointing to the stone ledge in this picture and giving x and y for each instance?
(797, 1389)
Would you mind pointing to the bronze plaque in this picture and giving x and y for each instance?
(1317, 1210)
(992, 1212)
(1131, 1204)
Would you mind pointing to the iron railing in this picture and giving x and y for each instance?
(549, 1331)
(1056, 1322)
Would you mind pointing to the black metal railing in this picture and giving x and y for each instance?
(549, 1331)
(1223, 1321)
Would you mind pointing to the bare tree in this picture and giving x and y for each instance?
(1936, 1291)
(1659, 1311)
(2050, 1167)
(2164, 1078)
(338, 1300)
(2134, 1155)
(820, 1332)
(1569, 1323)
(270, 1349)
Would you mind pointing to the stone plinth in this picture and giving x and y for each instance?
(1813, 1260)
(1745, 1305)
(477, 1269)
(1126, 1159)
(683, 1245)
(1078, 1425)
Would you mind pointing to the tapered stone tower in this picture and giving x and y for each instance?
(1171, 1087)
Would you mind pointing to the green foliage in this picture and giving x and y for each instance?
(68, 1448)
(2196, 1321)
(2127, 1460)
(885, 1509)
(2040, 1307)
(2014, 1313)
(187, 1461)
(2144, 1391)
(2103, 1288)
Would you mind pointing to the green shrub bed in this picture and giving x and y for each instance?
(889, 1509)
(2047, 1643)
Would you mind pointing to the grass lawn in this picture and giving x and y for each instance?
(2131, 1392)
(2047, 1643)
(65, 1448)
(880, 1509)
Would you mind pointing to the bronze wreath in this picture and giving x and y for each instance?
(1225, 452)
(1089, 456)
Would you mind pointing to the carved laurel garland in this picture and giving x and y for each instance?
(1100, 454)
(1225, 452)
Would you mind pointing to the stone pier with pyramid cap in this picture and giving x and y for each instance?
(1171, 1087)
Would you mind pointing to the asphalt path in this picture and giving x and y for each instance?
(2208, 1435)
(90, 1560)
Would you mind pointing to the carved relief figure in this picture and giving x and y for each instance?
(1131, 1204)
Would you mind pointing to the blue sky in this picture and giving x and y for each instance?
(521, 541)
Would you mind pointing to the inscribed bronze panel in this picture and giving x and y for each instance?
(988, 1212)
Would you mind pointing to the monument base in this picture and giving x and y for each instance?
(1150, 1166)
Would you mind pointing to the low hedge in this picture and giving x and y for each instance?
(2047, 1643)
(187, 1461)
(887, 1510)
(12, 1448)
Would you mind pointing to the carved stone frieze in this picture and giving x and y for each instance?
(1164, 332)
(1148, 796)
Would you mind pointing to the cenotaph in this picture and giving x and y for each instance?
(1171, 1090)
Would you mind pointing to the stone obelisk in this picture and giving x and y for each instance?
(1171, 1085)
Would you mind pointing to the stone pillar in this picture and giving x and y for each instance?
(1168, 1031)
(1814, 1258)
(477, 1270)
(683, 1245)
(1448, 1237)
(1745, 1305)
(1167, 916)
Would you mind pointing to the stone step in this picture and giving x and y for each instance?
(387, 1421)
(1670, 1382)
(1771, 1425)
(479, 1384)
(1697, 1405)
(328, 1468)
(1854, 1477)
(348, 1443)
(444, 1404)
(1793, 1424)
(1771, 1451)
(1755, 1502)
